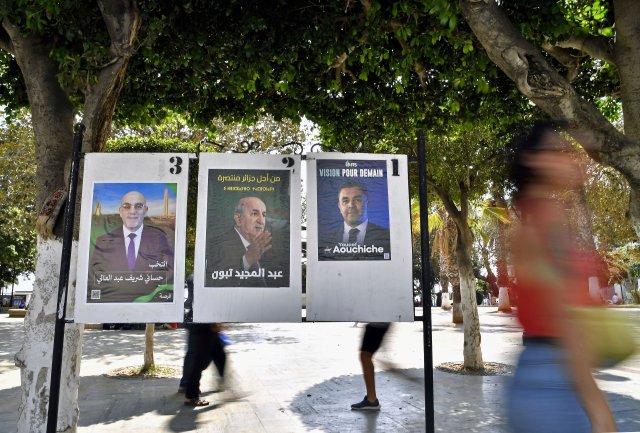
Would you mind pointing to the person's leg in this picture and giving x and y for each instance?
(366, 359)
(219, 358)
(189, 360)
(201, 358)
(371, 341)
(218, 355)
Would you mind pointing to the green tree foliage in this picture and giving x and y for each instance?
(264, 135)
(623, 263)
(577, 61)
(607, 194)
(233, 59)
(360, 70)
(17, 197)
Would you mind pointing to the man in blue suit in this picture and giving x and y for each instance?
(133, 263)
(356, 238)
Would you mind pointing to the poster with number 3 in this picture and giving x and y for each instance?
(130, 266)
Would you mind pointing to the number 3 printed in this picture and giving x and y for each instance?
(177, 161)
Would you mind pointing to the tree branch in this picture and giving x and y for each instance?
(5, 40)
(464, 200)
(418, 66)
(627, 52)
(597, 47)
(366, 5)
(566, 58)
(491, 282)
(122, 20)
(447, 201)
(536, 79)
(52, 118)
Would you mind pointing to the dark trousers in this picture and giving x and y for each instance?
(203, 346)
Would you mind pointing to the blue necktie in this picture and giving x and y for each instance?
(131, 252)
(353, 235)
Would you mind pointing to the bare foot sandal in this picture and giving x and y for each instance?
(195, 402)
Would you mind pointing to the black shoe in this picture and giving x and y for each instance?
(366, 405)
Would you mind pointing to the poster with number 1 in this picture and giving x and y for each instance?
(132, 238)
(359, 262)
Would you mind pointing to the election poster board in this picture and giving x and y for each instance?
(131, 250)
(359, 263)
(248, 249)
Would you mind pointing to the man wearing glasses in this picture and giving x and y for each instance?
(133, 263)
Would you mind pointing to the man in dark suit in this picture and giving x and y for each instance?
(244, 256)
(133, 263)
(356, 238)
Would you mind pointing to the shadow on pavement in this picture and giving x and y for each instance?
(186, 418)
(9, 402)
(610, 377)
(625, 411)
(12, 337)
(326, 406)
(105, 400)
(107, 345)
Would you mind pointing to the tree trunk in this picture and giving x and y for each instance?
(471, 320)
(451, 267)
(34, 357)
(456, 310)
(502, 278)
(444, 284)
(467, 293)
(491, 279)
(13, 283)
(149, 361)
(504, 304)
(53, 118)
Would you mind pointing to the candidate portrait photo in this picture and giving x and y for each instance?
(353, 210)
(248, 228)
(132, 242)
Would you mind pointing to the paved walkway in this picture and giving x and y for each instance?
(302, 378)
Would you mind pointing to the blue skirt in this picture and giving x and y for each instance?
(542, 395)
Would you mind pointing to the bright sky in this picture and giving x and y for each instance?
(110, 194)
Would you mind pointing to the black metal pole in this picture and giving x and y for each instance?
(426, 278)
(58, 336)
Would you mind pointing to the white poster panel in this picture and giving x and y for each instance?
(358, 238)
(248, 250)
(132, 238)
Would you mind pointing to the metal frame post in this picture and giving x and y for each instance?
(426, 277)
(63, 282)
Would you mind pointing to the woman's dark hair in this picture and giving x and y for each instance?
(520, 173)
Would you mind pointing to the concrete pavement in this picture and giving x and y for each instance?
(302, 377)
